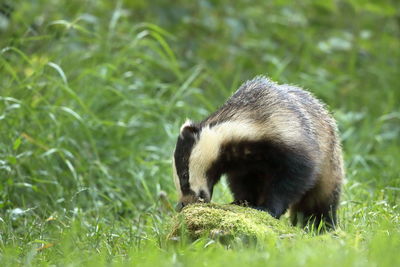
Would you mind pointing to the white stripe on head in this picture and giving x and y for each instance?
(206, 150)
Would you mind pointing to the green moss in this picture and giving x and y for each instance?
(218, 220)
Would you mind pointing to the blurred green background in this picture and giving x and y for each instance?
(92, 94)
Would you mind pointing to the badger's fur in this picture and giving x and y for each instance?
(278, 146)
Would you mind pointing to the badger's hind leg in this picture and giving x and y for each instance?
(315, 208)
(320, 203)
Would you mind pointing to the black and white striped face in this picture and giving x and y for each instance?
(197, 151)
(191, 184)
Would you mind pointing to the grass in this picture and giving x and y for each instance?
(92, 94)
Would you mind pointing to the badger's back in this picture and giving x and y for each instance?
(283, 113)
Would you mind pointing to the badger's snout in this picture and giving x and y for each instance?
(190, 199)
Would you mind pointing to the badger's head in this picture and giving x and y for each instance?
(191, 161)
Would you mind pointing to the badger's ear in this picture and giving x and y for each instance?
(189, 129)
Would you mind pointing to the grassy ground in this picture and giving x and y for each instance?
(92, 94)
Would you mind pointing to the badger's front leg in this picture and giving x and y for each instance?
(253, 189)
(256, 190)
(244, 188)
(275, 202)
(285, 188)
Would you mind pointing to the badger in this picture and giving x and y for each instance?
(278, 147)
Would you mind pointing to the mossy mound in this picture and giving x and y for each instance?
(218, 220)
